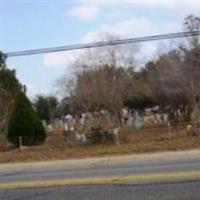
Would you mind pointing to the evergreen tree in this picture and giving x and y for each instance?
(25, 123)
(9, 86)
(46, 107)
(2, 60)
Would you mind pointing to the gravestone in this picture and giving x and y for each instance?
(138, 122)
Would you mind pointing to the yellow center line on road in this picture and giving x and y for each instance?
(136, 178)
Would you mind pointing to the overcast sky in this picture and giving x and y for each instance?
(31, 24)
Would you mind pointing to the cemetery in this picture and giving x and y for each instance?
(110, 105)
(72, 137)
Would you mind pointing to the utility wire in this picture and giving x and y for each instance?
(101, 44)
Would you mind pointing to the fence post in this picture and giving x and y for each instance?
(20, 142)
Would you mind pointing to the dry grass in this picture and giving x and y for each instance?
(132, 141)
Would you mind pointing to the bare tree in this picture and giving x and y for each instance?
(104, 88)
(192, 67)
(192, 23)
(101, 79)
(114, 55)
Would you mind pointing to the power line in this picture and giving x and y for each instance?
(101, 44)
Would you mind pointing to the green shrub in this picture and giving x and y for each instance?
(99, 135)
(25, 123)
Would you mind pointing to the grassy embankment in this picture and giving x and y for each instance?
(131, 142)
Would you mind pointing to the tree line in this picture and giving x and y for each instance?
(106, 78)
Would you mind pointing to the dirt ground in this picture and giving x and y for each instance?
(132, 141)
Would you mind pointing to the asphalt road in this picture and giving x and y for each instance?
(143, 165)
(154, 191)
(149, 163)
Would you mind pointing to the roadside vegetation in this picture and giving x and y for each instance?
(56, 147)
